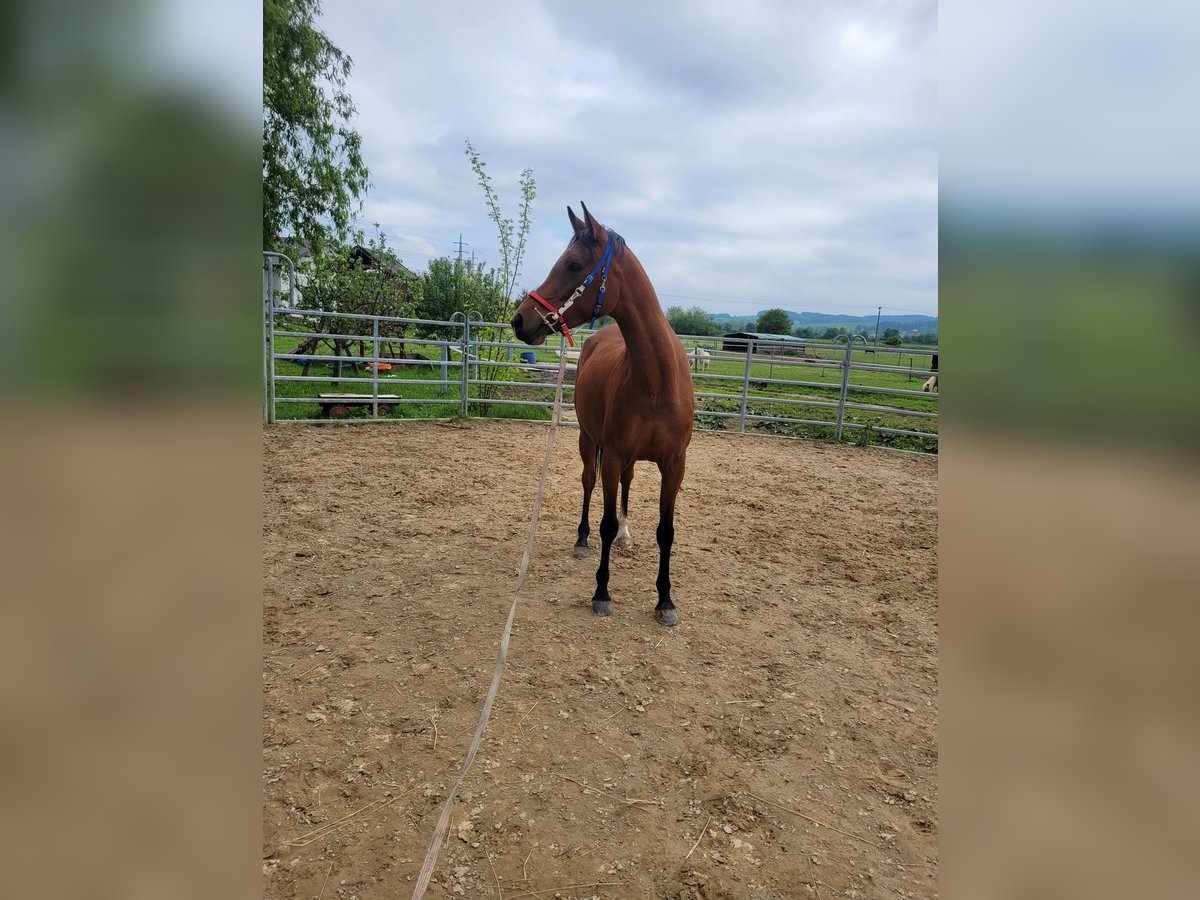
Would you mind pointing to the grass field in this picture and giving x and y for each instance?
(808, 388)
(780, 387)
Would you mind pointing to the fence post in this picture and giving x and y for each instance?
(746, 384)
(270, 260)
(445, 348)
(268, 362)
(374, 368)
(475, 364)
(271, 356)
(841, 409)
(466, 372)
(269, 309)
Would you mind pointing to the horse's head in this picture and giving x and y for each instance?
(576, 289)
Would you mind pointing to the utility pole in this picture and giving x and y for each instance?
(878, 310)
(458, 278)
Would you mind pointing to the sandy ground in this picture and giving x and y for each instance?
(781, 742)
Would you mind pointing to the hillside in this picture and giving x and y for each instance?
(902, 323)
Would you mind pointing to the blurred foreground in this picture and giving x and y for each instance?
(1070, 289)
(129, 285)
(1069, 671)
(130, 274)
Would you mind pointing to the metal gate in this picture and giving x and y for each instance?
(469, 367)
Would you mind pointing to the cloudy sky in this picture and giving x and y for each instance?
(754, 153)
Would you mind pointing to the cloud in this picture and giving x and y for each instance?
(760, 154)
(1098, 117)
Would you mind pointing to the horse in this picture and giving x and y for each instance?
(633, 388)
(931, 386)
(700, 357)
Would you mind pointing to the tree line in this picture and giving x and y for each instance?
(696, 321)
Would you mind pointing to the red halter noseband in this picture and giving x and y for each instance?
(555, 317)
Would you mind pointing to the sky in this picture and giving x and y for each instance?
(753, 153)
(1071, 112)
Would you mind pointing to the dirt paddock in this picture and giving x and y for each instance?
(780, 742)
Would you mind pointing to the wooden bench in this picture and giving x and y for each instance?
(337, 406)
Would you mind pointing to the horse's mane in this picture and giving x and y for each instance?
(615, 239)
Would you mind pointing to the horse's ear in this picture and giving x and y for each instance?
(595, 229)
(580, 227)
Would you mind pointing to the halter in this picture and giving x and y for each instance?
(556, 315)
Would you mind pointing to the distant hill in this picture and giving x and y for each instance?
(902, 323)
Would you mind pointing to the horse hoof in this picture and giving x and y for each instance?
(601, 607)
(623, 543)
(668, 617)
(581, 552)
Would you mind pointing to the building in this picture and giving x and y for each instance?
(736, 342)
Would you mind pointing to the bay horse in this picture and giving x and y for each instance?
(633, 388)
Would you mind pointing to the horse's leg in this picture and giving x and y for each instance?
(624, 540)
(610, 479)
(672, 478)
(588, 451)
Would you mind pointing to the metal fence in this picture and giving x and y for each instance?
(468, 367)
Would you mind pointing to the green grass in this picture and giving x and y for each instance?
(765, 395)
(391, 382)
(772, 383)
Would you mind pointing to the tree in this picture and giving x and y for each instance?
(834, 332)
(691, 321)
(891, 337)
(457, 285)
(364, 280)
(805, 331)
(313, 169)
(774, 321)
(512, 251)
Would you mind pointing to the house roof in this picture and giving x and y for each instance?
(760, 336)
(369, 259)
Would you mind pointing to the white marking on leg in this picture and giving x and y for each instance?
(623, 539)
